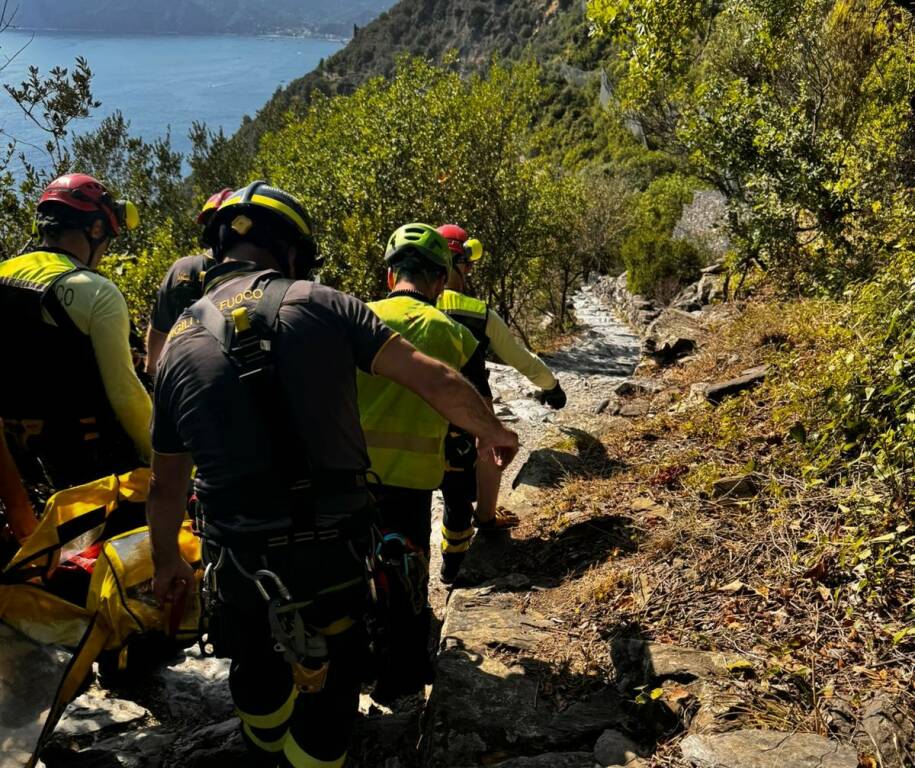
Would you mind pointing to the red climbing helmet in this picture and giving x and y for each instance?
(212, 205)
(456, 237)
(88, 195)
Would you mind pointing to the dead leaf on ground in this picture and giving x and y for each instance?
(819, 570)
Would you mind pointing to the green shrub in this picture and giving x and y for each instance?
(138, 275)
(660, 206)
(659, 266)
(392, 152)
(799, 111)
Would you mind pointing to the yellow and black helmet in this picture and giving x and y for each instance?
(418, 238)
(265, 214)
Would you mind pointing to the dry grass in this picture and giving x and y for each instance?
(760, 577)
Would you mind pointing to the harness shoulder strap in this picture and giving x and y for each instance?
(215, 322)
(264, 319)
(268, 307)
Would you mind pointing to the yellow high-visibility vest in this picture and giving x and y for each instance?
(404, 434)
(75, 401)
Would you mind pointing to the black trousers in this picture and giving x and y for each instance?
(282, 726)
(407, 666)
(459, 490)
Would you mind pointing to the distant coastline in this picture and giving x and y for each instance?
(161, 83)
(298, 34)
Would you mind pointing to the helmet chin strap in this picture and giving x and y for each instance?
(94, 242)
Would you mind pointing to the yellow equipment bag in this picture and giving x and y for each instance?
(80, 585)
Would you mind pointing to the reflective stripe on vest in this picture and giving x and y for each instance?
(453, 302)
(37, 270)
(469, 312)
(404, 434)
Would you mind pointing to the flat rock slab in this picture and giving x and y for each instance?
(735, 487)
(721, 390)
(197, 689)
(646, 661)
(92, 713)
(638, 386)
(486, 557)
(766, 749)
(890, 731)
(485, 702)
(216, 744)
(482, 619)
(672, 336)
(550, 760)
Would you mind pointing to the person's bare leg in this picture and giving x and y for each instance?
(489, 479)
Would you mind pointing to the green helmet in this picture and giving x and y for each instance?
(422, 239)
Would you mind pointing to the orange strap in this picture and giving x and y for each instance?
(19, 513)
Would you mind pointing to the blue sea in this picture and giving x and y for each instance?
(160, 83)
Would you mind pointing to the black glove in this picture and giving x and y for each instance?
(555, 397)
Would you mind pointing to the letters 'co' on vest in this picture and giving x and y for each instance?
(403, 433)
(52, 399)
(469, 312)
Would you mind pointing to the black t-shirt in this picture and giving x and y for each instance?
(476, 373)
(202, 408)
(181, 287)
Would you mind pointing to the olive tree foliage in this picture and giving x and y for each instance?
(429, 145)
(592, 212)
(148, 173)
(51, 103)
(800, 111)
(216, 162)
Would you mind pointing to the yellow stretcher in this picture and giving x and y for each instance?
(53, 628)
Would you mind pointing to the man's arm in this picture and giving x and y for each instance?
(503, 343)
(109, 330)
(165, 511)
(449, 394)
(155, 343)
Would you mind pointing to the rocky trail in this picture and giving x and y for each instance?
(587, 637)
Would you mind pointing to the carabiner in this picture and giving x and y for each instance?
(280, 587)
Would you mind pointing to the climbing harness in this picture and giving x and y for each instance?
(303, 646)
(247, 342)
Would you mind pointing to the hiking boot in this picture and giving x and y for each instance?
(451, 566)
(503, 520)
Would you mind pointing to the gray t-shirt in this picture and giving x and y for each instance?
(202, 408)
